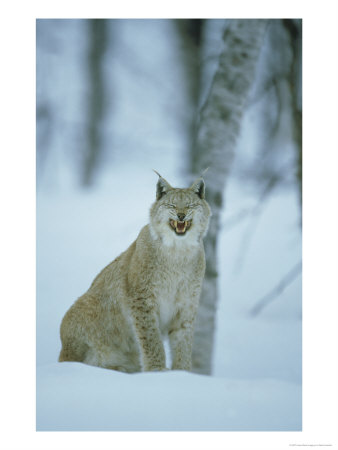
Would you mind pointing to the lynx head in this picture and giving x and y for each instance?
(179, 215)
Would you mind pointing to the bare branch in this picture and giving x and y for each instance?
(277, 290)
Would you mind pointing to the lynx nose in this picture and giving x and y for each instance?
(181, 216)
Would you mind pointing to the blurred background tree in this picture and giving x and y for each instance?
(97, 31)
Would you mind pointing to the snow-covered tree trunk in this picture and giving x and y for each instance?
(217, 132)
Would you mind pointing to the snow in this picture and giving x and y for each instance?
(72, 396)
(257, 380)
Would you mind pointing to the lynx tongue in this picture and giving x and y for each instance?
(180, 227)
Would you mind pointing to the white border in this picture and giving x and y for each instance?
(18, 223)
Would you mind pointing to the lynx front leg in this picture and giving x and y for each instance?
(181, 338)
(148, 335)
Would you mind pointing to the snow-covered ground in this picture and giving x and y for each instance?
(72, 396)
(257, 380)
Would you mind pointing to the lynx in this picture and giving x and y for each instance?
(148, 293)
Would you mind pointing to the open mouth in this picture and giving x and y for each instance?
(180, 227)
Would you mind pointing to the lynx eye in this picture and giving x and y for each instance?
(192, 205)
(170, 205)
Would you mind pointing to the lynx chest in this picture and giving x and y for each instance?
(175, 288)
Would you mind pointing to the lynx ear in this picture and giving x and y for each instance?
(162, 186)
(198, 187)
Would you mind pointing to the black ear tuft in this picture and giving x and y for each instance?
(199, 188)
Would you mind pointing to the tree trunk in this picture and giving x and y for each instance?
(294, 28)
(96, 104)
(190, 32)
(217, 133)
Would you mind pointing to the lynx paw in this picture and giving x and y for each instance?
(157, 369)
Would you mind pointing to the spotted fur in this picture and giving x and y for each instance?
(147, 293)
